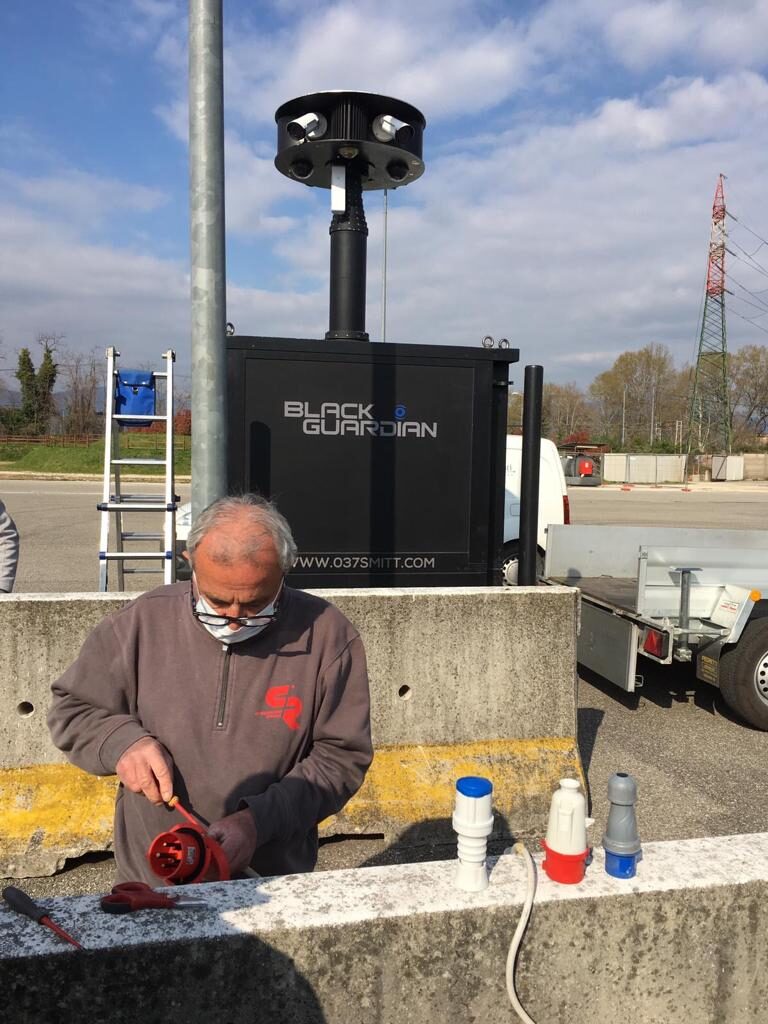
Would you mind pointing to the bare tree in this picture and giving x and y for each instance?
(748, 376)
(82, 376)
(643, 392)
(566, 411)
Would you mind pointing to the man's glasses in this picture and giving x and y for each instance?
(209, 619)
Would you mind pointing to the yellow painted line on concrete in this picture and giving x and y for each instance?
(410, 784)
(55, 811)
(48, 808)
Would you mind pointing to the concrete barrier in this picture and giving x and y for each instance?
(463, 681)
(683, 941)
(755, 466)
(643, 469)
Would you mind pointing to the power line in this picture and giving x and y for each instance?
(751, 263)
(760, 327)
(760, 237)
(760, 304)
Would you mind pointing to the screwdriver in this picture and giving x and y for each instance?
(22, 904)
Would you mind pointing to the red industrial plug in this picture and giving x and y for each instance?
(187, 853)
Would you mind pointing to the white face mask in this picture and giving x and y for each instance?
(232, 636)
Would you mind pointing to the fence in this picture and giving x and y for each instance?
(670, 469)
(643, 469)
(52, 440)
(129, 440)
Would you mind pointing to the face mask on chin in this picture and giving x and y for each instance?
(224, 633)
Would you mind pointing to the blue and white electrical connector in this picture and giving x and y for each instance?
(473, 823)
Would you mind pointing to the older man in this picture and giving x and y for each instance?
(9, 551)
(246, 698)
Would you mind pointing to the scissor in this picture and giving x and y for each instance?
(130, 896)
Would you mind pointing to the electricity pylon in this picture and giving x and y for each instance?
(709, 414)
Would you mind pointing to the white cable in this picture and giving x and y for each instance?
(517, 938)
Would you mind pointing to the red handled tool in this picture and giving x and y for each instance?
(23, 904)
(130, 896)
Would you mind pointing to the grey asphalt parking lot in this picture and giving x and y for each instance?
(700, 771)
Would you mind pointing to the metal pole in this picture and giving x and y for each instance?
(684, 651)
(349, 249)
(384, 274)
(623, 414)
(207, 258)
(529, 476)
(653, 410)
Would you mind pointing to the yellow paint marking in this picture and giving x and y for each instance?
(410, 784)
(57, 807)
(54, 806)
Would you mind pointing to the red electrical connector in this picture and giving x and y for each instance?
(187, 853)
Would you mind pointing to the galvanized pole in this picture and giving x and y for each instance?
(653, 413)
(207, 257)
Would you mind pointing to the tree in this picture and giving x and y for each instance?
(82, 374)
(641, 397)
(748, 377)
(25, 375)
(565, 411)
(37, 403)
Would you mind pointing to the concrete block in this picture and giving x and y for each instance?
(463, 681)
(684, 940)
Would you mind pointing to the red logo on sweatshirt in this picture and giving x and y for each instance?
(285, 706)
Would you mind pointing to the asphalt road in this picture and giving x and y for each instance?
(699, 770)
(59, 530)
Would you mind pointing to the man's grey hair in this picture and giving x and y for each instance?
(255, 510)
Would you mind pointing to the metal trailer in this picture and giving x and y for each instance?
(671, 594)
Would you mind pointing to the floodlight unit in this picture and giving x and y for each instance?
(350, 143)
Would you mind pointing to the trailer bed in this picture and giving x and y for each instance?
(614, 591)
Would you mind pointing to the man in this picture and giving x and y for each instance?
(9, 551)
(247, 699)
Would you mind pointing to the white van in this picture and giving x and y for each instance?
(553, 502)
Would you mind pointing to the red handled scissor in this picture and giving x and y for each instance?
(130, 896)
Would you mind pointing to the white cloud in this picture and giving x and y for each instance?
(253, 186)
(118, 23)
(438, 58)
(643, 34)
(83, 198)
(577, 228)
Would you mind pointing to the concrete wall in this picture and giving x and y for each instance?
(683, 941)
(727, 467)
(643, 469)
(755, 466)
(463, 681)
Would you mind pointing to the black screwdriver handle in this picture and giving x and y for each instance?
(23, 904)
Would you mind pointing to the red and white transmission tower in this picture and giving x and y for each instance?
(709, 419)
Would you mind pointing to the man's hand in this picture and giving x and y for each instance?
(237, 835)
(146, 767)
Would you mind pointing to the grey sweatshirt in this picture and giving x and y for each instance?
(9, 551)
(278, 723)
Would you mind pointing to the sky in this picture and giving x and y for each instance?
(572, 150)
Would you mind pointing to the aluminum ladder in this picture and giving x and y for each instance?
(115, 504)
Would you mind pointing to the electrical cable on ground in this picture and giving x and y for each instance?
(517, 938)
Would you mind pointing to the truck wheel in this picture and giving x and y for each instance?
(510, 560)
(744, 675)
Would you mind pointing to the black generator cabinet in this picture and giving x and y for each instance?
(387, 460)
